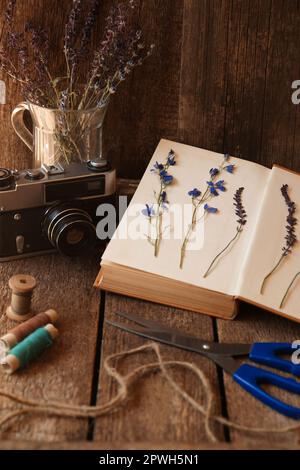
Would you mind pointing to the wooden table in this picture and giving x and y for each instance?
(154, 416)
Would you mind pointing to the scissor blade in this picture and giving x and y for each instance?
(226, 349)
(226, 362)
(190, 343)
(152, 324)
(182, 341)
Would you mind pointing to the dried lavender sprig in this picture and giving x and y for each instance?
(290, 238)
(42, 86)
(40, 46)
(88, 26)
(9, 12)
(119, 53)
(288, 290)
(19, 63)
(6, 64)
(242, 220)
(8, 16)
(121, 75)
(16, 42)
(114, 26)
(72, 28)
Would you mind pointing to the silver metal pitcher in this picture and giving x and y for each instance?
(61, 136)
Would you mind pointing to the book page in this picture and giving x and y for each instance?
(266, 249)
(213, 231)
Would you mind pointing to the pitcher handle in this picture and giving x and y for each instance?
(17, 120)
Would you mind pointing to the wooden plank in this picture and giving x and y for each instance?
(102, 446)
(146, 107)
(65, 372)
(203, 72)
(280, 143)
(250, 326)
(154, 412)
(247, 60)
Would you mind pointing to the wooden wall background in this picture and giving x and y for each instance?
(220, 78)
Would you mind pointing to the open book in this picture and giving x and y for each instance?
(129, 266)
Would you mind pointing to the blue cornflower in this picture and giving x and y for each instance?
(194, 193)
(171, 158)
(220, 185)
(230, 168)
(165, 177)
(148, 211)
(210, 210)
(214, 172)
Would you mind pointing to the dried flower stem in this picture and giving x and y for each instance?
(290, 237)
(242, 220)
(238, 232)
(271, 273)
(288, 289)
(158, 222)
(156, 211)
(198, 202)
(192, 227)
(159, 212)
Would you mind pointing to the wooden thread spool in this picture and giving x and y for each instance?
(22, 354)
(17, 334)
(22, 287)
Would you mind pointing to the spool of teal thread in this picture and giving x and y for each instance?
(30, 348)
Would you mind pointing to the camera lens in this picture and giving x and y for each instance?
(69, 229)
(6, 179)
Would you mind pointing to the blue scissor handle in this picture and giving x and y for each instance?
(268, 354)
(250, 378)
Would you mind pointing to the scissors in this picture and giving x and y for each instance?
(247, 376)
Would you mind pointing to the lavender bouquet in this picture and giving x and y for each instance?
(90, 75)
(24, 56)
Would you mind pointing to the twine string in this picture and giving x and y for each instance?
(125, 382)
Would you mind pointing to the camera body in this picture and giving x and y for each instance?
(52, 208)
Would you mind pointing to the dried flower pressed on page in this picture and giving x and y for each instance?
(241, 222)
(154, 212)
(290, 238)
(287, 292)
(200, 199)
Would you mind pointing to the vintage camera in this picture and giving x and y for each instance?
(52, 208)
